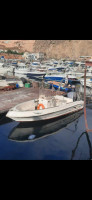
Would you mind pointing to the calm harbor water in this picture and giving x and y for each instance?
(64, 139)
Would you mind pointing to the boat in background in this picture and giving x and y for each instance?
(6, 69)
(21, 70)
(88, 82)
(35, 74)
(10, 81)
(61, 78)
(60, 86)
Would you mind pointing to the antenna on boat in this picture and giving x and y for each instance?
(85, 112)
(41, 87)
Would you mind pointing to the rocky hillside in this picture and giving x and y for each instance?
(20, 45)
(64, 48)
(72, 49)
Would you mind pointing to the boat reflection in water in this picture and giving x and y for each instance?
(26, 131)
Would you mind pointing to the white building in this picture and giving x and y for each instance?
(33, 56)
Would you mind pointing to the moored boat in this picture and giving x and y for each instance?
(36, 74)
(6, 69)
(60, 86)
(44, 108)
(88, 82)
(61, 78)
(7, 82)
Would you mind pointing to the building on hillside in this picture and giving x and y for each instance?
(86, 58)
(33, 56)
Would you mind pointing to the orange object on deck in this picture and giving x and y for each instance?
(40, 106)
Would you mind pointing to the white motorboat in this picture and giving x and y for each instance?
(35, 64)
(60, 77)
(21, 70)
(44, 108)
(3, 83)
(7, 82)
(28, 72)
(6, 69)
(36, 74)
(88, 82)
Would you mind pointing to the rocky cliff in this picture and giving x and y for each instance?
(64, 48)
(72, 49)
(20, 45)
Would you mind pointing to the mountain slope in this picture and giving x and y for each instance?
(21, 45)
(53, 48)
(64, 48)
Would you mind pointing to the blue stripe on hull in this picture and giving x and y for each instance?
(59, 79)
(54, 79)
(60, 88)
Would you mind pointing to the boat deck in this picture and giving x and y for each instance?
(9, 99)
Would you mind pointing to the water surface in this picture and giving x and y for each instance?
(70, 142)
(65, 139)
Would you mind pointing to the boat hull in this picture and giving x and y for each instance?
(58, 79)
(64, 89)
(61, 79)
(35, 75)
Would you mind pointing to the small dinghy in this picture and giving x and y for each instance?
(44, 108)
(60, 86)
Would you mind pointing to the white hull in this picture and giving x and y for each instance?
(88, 83)
(75, 74)
(4, 83)
(29, 74)
(4, 71)
(21, 73)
